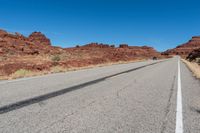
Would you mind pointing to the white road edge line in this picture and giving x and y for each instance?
(179, 113)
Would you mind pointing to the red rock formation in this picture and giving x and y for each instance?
(17, 44)
(123, 46)
(35, 53)
(96, 45)
(39, 39)
(185, 48)
(3, 33)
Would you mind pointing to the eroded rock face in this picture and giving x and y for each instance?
(39, 39)
(17, 44)
(123, 46)
(96, 45)
(186, 48)
(123, 52)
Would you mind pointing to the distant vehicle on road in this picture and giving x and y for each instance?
(154, 58)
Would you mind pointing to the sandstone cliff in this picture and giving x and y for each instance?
(186, 48)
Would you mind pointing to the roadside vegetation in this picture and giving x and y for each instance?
(58, 69)
(198, 60)
(56, 58)
(21, 73)
(194, 67)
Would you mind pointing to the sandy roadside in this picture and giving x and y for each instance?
(194, 67)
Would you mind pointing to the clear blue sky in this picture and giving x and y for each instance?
(162, 24)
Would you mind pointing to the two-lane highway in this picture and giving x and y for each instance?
(143, 97)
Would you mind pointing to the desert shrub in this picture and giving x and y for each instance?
(198, 60)
(56, 58)
(21, 73)
(3, 58)
(57, 69)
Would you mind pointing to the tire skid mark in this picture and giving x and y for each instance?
(40, 98)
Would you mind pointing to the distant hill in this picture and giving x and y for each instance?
(186, 48)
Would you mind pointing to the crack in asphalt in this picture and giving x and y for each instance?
(67, 116)
(37, 99)
(167, 110)
(125, 87)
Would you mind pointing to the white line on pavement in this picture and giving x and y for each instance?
(179, 115)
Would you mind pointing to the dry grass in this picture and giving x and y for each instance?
(21, 73)
(56, 58)
(58, 69)
(194, 67)
(198, 60)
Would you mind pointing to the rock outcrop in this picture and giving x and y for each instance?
(39, 39)
(123, 46)
(96, 45)
(186, 48)
(17, 44)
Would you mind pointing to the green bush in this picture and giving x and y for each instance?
(56, 58)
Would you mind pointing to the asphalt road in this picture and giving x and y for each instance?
(143, 97)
